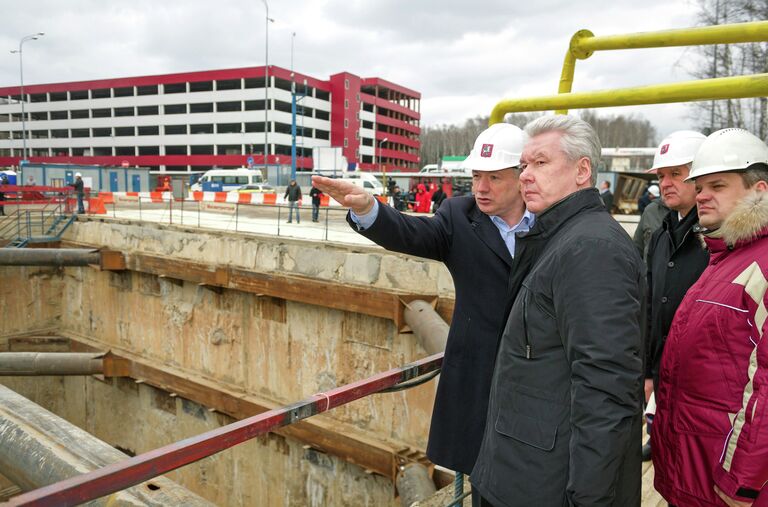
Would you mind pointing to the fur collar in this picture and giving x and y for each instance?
(747, 220)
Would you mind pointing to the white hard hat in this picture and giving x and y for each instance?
(728, 150)
(78, 175)
(678, 148)
(654, 190)
(497, 147)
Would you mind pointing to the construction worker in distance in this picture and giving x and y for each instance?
(710, 432)
(474, 236)
(79, 192)
(675, 257)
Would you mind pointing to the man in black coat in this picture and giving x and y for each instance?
(474, 236)
(606, 195)
(293, 195)
(3, 182)
(316, 195)
(79, 192)
(564, 415)
(676, 257)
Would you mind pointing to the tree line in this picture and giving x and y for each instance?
(626, 131)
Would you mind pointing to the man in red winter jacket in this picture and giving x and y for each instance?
(710, 433)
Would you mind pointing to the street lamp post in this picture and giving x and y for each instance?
(267, 19)
(21, 79)
(381, 166)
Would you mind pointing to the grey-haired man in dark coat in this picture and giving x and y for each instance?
(564, 415)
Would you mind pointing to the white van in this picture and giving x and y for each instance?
(366, 181)
(227, 180)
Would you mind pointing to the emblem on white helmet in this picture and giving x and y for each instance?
(497, 147)
(677, 149)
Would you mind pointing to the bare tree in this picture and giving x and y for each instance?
(626, 131)
(725, 60)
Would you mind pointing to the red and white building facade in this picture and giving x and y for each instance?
(200, 120)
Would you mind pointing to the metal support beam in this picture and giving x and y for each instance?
(372, 301)
(38, 448)
(50, 363)
(339, 439)
(427, 325)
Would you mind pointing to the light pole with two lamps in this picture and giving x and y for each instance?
(381, 166)
(24, 39)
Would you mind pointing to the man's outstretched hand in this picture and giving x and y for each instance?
(345, 193)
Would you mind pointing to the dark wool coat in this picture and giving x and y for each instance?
(564, 418)
(671, 272)
(465, 239)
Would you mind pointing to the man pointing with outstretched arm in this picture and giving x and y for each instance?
(474, 236)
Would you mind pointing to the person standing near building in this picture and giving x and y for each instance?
(710, 433)
(316, 195)
(30, 181)
(564, 416)
(293, 194)
(675, 256)
(606, 195)
(79, 192)
(474, 236)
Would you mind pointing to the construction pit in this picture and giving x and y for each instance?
(202, 328)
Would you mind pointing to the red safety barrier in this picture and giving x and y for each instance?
(325, 199)
(220, 197)
(270, 198)
(132, 471)
(382, 199)
(96, 206)
(132, 194)
(244, 198)
(156, 196)
(197, 195)
(107, 197)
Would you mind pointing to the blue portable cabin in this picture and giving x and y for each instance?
(98, 178)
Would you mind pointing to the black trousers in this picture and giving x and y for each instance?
(479, 501)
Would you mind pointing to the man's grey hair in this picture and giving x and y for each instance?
(754, 173)
(578, 139)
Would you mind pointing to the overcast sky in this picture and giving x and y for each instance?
(463, 56)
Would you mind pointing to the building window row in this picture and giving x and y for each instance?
(154, 130)
(208, 107)
(169, 88)
(129, 151)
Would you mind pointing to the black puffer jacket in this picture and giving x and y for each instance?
(564, 425)
(671, 272)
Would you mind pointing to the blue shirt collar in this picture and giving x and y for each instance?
(525, 223)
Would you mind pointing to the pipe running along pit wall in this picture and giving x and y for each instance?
(584, 43)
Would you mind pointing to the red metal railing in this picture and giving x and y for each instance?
(132, 471)
(25, 195)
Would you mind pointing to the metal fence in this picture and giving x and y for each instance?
(272, 219)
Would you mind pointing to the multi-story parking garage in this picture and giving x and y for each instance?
(217, 118)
